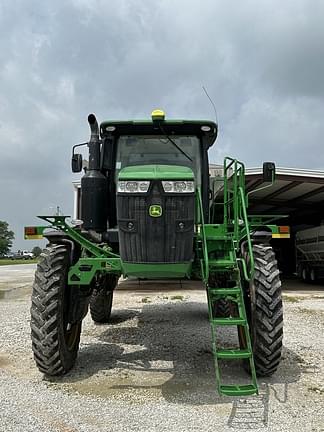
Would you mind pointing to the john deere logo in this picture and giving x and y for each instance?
(155, 211)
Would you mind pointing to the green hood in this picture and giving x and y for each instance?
(156, 172)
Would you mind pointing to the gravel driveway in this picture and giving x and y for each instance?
(151, 369)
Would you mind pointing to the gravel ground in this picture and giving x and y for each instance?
(151, 369)
(15, 279)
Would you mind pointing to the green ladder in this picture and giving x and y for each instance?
(234, 294)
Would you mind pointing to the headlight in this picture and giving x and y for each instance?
(178, 186)
(133, 186)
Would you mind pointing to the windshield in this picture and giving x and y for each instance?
(150, 150)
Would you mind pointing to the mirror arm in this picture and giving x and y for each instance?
(78, 145)
(78, 156)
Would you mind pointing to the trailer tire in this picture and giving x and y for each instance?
(265, 312)
(102, 298)
(55, 343)
(304, 274)
(312, 276)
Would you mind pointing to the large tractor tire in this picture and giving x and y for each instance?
(55, 342)
(265, 311)
(221, 308)
(102, 298)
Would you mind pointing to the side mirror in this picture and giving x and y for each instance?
(76, 163)
(269, 172)
(107, 154)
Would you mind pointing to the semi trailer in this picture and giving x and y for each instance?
(310, 254)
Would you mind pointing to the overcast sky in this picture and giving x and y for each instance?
(261, 61)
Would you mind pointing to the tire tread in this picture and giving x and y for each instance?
(46, 325)
(268, 321)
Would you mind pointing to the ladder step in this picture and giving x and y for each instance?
(230, 354)
(229, 321)
(225, 291)
(222, 263)
(238, 390)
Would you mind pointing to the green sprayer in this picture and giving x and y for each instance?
(150, 209)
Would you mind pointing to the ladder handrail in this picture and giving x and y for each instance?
(235, 209)
(248, 236)
(231, 195)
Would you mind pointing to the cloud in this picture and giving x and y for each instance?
(288, 132)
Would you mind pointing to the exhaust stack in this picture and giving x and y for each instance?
(94, 143)
(94, 185)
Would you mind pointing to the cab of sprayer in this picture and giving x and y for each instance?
(139, 189)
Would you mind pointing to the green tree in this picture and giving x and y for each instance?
(36, 251)
(6, 238)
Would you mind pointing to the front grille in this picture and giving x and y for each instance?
(164, 239)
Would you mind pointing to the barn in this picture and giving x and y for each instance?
(299, 195)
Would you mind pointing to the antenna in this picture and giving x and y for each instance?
(211, 101)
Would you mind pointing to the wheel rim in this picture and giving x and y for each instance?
(304, 276)
(71, 336)
(312, 275)
(71, 331)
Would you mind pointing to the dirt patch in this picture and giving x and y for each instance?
(4, 362)
(136, 388)
(63, 427)
(14, 292)
(19, 366)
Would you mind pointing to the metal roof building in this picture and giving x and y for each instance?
(298, 193)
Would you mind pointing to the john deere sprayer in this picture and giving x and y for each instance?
(149, 209)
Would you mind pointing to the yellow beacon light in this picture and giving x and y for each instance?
(158, 115)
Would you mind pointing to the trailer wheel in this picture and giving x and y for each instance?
(264, 312)
(102, 298)
(55, 342)
(304, 274)
(312, 276)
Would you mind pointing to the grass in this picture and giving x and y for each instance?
(295, 299)
(312, 312)
(177, 297)
(146, 300)
(316, 389)
(19, 261)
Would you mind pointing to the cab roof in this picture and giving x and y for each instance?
(202, 128)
